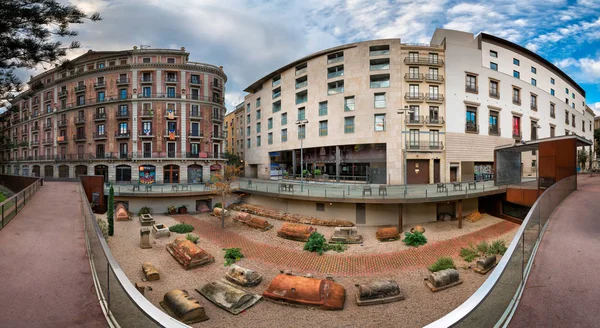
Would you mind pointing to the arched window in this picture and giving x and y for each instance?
(63, 171)
(48, 171)
(123, 173)
(171, 174)
(80, 170)
(101, 170)
(195, 173)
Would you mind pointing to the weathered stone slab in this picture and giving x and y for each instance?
(346, 235)
(228, 297)
(387, 234)
(443, 279)
(288, 217)
(379, 292)
(188, 254)
(485, 264)
(321, 293)
(150, 271)
(294, 231)
(242, 276)
(183, 307)
(417, 229)
(473, 217)
(145, 238)
(140, 287)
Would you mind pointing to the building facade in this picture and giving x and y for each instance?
(141, 115)
(239, 128)
(360, 111)
(229, 134)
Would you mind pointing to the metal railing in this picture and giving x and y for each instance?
(493, 304)
(424, 145)
(15, 203)
(424, 61)
(414, 119)
(471, 127)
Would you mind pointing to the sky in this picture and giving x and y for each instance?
(252, 38)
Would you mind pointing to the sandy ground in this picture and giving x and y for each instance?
(420, 307)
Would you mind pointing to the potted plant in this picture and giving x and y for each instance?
(172, 209)
(182, 209)
(317, 174)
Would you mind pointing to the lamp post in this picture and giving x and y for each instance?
(301, 123)
(405, 111)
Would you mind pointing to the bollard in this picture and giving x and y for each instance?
(446, 192)
(267, 188)
(308, 192)
(425, 193)
(325, 193)
(344, 194)
(484, 188)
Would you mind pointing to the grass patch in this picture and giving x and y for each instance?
(442, 263)
(192, 237)
(181, 228)
(483, 249)
(498, 247)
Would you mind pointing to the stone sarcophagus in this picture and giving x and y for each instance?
(346, 235)
(121, 213)
(379, 292)
(228, 297)
(150, 271)
(322, 293)
(443, 279)
(242, 276)
(485, 264)
(181, 306)
(299, 232)
(217, 211)
(188, 254)
(387, 233)
(252, 222)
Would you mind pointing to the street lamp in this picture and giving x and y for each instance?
(405, 111)
(301, 123)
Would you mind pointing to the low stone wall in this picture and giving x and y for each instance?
(282, 216)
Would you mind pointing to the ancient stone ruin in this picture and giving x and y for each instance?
(121, 212)
(387, 234)
(228, 297)
(188, 254)
(146, 220)
(150, 271)
(443, 279)
(145, 238)
(294, 231)
(321, 293)
(417, 229)
(181, 306)
(161, 230)
(288, 217)
(474, 217)
(346, 235)
(379, 292)
(217, 211)
(242, 276)
(252, 222)
(485, 264)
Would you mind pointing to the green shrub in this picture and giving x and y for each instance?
(469, 253)
(442, 263)
(103, 227)
(317, 172)
(2, 197)
(144, 210)
(232, 255)
(338, 247)
(415, 239)
(191, 237)
(181, 228)
(498, 247)
(316, 243)
(305, 172)
(219, 205)
(483, 247)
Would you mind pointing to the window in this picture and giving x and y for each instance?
(493, 54)
(301, 113)
(380, 81)
(258, 114)
(471, 83)
(533, 70)
(433, 58)
(100, 96)
(533, 163)
(573, 120)
(552, 92)
(493, 66)
(320, 207)
(533, 82)
(145, 60)
(100, 129)
(552, 110)
(566, 117)
(573, 95)
(276, 92)
(284, 119)
(567, 90)
(301, 69)
(323, 108)
(301, 131)
(573, 105)
(494, 89)
(413, 57)
(248, 118)
(258, 127)
(171, 92)
(248, 143)
(270, 123)
(257, 141)
(434, 139)
(123, 128)
(322, 128)
(257, 102)
(247, 108)
(534, 126)
(194, 79)
(283, 135)
(335, 71)
(380, 64)
(379, 122)
(494, 129)
(516, 96)
(471, 119)
(146, 92)
(516, 74)
(552, 81)
(413, 91)
(270, 138)
(516, 61)
(301, 82)
(552, 131)
(348, 104)
(379, 50)
(276, 106)
(434, 114)
(248, 130)
(349, 124)
(380, 100)
(413, 116)
(335, 58)
(301, 97)
(413, 138)
(533, 102)
(516, 127)
(582, 125)
(335, 87)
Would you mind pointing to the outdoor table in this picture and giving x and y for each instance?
(383, 189)
(137, 186)
(473, 184)
(184, 187)
(367, 188)
(457, 185)
(441, 187)
(148, 187)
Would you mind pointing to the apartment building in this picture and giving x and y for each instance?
(361, 110)
(229, 123)
(146, 115)
(240, 127)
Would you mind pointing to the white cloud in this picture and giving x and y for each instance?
(532, 46)
(595, 107)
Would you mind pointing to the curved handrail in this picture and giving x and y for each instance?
(461, 312)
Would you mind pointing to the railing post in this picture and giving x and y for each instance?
(2, 215)
(16, 204)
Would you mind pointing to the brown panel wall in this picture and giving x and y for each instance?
(418, 178)
(16, 183)
(558, 159)
(92, 184)
(526, 197)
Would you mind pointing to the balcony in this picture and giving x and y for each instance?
(414, 119)
(195, 135)
(218, 86)
(146, 134)
(471, 127)
(217, 117)
(301, 85)
(35, 143)
(63, 94)
(534, 107)
(276, 94)
(434, 120)
(98, 117)
(172, 135)
(122, 134)
(334, 60)
(171, 114)
(171, 79)
(516, 134)
(197, 82)
(99, 135)
(79, 120)
(331, 75)
(122, 81)
(146, 80)
(80, 88)
(80, 138)
(516, 101)
(413, 77)
(62, 139)
(426, 146)
(159, 95)
(494, 130)
(434, 98)
(217, 136)
(434, 78)
(100, 85)
(35, 114)
(301, 71)
(471, 88)
(123, 115)
(335, 91)
(47, 126)
(48, 141)
(195, 115)
(62, 123)
(147, 113)
(494, 94)
(414, 97)
(423, 61)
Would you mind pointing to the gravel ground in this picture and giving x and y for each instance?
(420, 307)
(434, 231)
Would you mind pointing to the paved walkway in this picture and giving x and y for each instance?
(563, 289)
(45, 275)
(344, 265)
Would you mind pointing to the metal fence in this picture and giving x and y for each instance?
(15, 203)
(494, 303)
(122, 303)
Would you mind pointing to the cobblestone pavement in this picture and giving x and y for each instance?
(339, 264)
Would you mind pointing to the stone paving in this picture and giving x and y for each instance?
(339, 264)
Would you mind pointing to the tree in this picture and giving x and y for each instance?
(28, 32)
(232, 159)
(223, 185)
(111, 211)
(582, 157)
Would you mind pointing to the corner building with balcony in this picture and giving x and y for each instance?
(146, 115)
(363, 108)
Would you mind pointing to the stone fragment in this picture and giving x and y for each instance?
(161, 230)
(346, 235)
(297, 232)
(228, 297)
(150, 271)
(140, 287)
(417, 229)
(443, 279)
(242, 276)
(387, 233)
(145, 238)
(181, 306)
(217, 212)
(294, 218)
(485, 264)
(146, 220)
(473, 217)
(321, 293)
(257, 223)
(379, 292)
(188, 254)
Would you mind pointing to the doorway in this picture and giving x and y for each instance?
(418, 171)
(453, 173)
(361, 213)
(101, 170)
(171, 174)
(436, 171)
